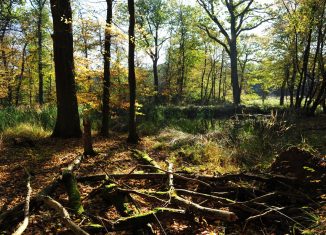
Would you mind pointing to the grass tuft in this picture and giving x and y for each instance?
(26, 130)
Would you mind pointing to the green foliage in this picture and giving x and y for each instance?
(35, 117)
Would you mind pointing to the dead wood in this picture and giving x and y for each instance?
(22, 227)
(70, 183)
(144, 158)
(206, 211)
(87, 137)
(63, 214)
(140, 220)
(194, 207)
(13, 216)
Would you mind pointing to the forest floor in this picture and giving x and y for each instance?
(44, 159)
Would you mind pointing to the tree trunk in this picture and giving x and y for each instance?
(133, 137)
(107, 72)
(292, 82)
(234, 72)
(304, 73)
(182, 64)
(286, 78)
(39, 52)
(312, 88)
(203, 76)
(21, 75)
(220, 79)
(67, 123)
(156, 85)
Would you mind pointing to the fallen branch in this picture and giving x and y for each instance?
(63, 214)
(13, 216)
(138, 221)
(264, 214)
(196, 208)
(22, 227)
(146, 159)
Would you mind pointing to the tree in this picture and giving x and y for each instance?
(152, 15)
(39, 6)
(133, 136)
(107, 68)
(241, 17)
(67, 123)
(8, 16)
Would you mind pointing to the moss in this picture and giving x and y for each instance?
(146, 159)
(71, 186)
(120, 200)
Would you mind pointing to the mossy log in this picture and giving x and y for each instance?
(121, 200)
(144, 158)
(70, 183)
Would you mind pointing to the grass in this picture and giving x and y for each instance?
(192, 134)
(35, 116)
(26, 130)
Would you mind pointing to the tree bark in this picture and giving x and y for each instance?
(67, 123)
(203, 76)
(234, 72)
(304, 73)
(133, 136)
(39, 52)
(285, 80)
(156, 83)
(107, 72)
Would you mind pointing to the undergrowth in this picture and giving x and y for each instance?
(11, 117)
(26, 130)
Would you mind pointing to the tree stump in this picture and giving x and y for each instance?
(87, 138)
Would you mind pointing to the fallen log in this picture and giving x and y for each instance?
(65, 217)
(70, 183)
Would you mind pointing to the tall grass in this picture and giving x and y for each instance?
(11, 117)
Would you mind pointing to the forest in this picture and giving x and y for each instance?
(163, 117)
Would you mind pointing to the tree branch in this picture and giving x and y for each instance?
(203, 27)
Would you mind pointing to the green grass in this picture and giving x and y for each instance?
(26, 130)
(43, 117)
